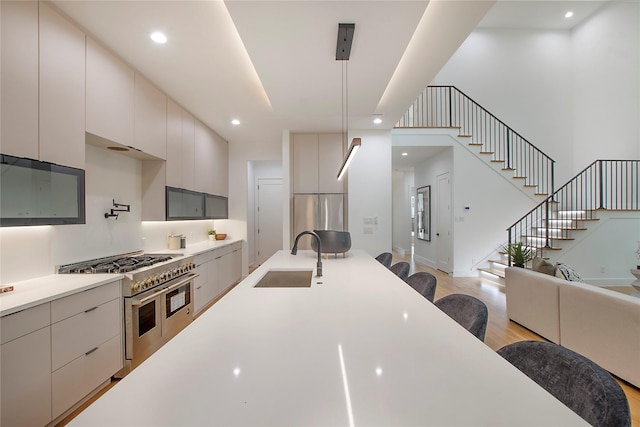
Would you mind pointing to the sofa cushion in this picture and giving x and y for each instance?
(602, 325)
(532, 301)
(543, 266)
(566, 272)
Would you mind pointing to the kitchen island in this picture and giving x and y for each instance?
(357, 347)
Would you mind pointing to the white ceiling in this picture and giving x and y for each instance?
(271, 64)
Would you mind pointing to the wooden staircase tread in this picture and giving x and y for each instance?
(498, 273)
(508, 169)
(487, 152)
(497, 161)
(465, 136)
(519, 177)
(550, 237)
(476, 144)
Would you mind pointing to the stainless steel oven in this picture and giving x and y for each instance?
(155, 316)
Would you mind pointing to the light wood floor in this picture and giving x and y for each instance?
(500, 330)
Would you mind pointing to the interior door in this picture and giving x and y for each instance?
(269, 218)
(443, 224)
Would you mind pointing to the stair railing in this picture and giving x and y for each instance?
(446, 106)
(604, 184)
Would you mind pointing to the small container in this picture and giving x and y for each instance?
(183, 242)
(174, 241)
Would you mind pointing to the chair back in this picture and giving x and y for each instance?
(581, 384)
(423, 282)
(401, 269)
(468, 311)
(385, 259)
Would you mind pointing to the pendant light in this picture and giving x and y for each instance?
(343, 52)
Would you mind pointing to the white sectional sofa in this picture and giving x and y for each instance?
(601, 324)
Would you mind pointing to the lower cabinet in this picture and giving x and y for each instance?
(25, 359)
(218, 269)
(205, 290)
(55, 354)
(86, 343)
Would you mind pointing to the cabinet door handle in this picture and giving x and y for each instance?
(199, 287)
(91, 351)
(91, 309)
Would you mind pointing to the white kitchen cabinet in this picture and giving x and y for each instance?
(86, 343)
(330, 157)
(229, 265)
(220, 167)
(43, 84)
(110, 95)
(62, 90)
(174, 145)
(205, 159)
(316, 160)
(25, 364)
(19, 78)
(205, 286)
(188, 151)
(305, 163)
(150, 121)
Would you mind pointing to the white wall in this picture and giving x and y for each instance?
(240, 154)
(403, 188)
(29, 252)
(426, 174)
(606, 85)
(494, 201)
(605, 264)
(369, 192)
(523, 78)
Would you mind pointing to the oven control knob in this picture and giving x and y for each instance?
(135, 286)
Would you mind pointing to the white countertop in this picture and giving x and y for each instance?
(359, 347)
(198, 248)
(29, 293)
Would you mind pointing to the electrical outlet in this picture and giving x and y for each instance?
(603, 269)
(368, 230)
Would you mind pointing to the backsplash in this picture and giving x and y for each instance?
(29, 252)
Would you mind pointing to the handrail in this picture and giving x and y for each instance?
(604, 184)
(447, 106)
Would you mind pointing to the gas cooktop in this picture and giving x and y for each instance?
(115, 264)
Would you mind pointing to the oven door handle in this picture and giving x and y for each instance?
(136, 302)
(181, 282)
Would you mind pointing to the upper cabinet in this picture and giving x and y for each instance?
(196, 167)
(110, 96)
(62, 83)
(204, 158)
(43, 68)
(211, 161)
(19, 78)
(330, 157)
(150, 120)
(316, 159)
(188, 151)
(174, 144)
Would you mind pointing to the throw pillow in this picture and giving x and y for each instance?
(568, 273)
(543, 266)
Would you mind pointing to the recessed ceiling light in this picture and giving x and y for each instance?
(569, 14)
(235, 122)
(377, 120)
(405, 154)
(158, 37)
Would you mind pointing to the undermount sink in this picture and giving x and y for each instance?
(286, 279)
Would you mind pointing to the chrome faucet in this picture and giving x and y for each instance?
(294, 251)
